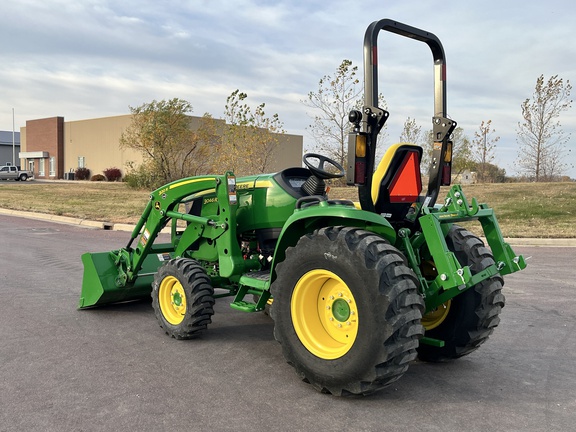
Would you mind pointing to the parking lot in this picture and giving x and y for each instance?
(113, 368)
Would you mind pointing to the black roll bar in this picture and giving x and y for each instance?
(442, 126)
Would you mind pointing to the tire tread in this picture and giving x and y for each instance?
(405, 306)
(199, 298)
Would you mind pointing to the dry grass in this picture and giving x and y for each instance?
(538, 210)
(101, 201)
(546, 210)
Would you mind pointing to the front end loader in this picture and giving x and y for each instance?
(356, 290)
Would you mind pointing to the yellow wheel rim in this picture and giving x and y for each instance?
(437, 316)
(172, 300)
(324, 314)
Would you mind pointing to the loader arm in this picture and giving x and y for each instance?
(126, 273)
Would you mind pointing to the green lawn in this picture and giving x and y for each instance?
(546, 210)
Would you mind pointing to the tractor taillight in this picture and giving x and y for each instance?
(448, 154)
(446, 175)
(447, 166)
(360, 146)
(357, 151)
(360, 173)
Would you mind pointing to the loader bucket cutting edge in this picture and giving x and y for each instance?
(99, 281)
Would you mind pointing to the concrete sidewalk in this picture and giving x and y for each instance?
(545, 242)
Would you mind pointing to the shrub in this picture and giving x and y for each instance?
(82, 174)
(98, 177)
(113, 174)
(143, 177)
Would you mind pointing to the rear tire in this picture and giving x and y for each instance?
(23, 177)
(183, 298)
(346, 311)
(469, 318)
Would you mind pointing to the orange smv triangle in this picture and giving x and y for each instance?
(407, 184)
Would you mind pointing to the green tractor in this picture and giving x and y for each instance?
(357, 291)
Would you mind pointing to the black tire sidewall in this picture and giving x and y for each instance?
(463, 317)
(165, 271)
(178, 268)
(318, 252)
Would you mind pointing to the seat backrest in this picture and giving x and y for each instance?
(397, 183)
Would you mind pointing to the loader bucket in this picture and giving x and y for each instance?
(99, 281)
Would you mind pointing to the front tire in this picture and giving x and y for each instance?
(346, 311)
(182, 298)
(465, 322)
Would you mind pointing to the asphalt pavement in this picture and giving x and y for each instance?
(113, 368)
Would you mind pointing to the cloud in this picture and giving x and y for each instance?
(96, 57)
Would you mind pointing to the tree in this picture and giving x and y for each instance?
(336, 96)
(494, 173)
(482, 149)
(541, 138)
(412, 133)
(250, 138)
(160, 131)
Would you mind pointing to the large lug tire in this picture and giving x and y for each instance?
(183, 298)
(465, 322)
(346, 311)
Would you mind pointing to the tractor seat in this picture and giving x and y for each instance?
(396, 183)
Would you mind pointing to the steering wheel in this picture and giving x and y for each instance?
(318, 169)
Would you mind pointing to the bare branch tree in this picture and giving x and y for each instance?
(336, 96)
(412, 133)
(483, 150)
(541, 138)
(250, 138)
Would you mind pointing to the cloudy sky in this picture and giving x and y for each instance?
(95, 58)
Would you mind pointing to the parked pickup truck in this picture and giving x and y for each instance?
(14, 173)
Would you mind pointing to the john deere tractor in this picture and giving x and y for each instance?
(357, 290)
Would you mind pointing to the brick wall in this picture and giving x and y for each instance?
(47, 135)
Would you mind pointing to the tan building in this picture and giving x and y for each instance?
(52, 148)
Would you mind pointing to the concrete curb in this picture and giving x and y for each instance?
(543, 242)
(58, 219)
(85, 223)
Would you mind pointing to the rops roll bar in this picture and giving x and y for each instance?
(373, 118)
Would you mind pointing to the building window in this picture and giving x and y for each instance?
(52, 166)
(41, 168)
(81, 162)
